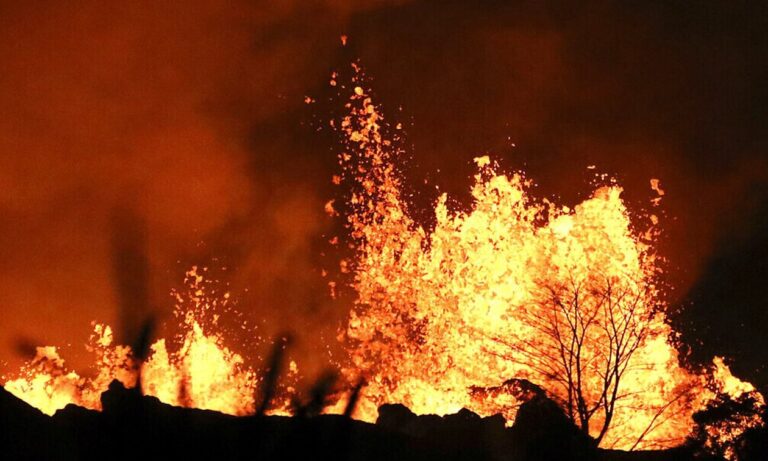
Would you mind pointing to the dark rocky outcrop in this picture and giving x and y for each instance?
(26, 433)
(463, 435)
(542, 431)
(136, 427)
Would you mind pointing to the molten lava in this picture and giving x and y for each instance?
(201, 372)
(514, 289)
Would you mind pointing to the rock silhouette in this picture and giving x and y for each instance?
(132, 426)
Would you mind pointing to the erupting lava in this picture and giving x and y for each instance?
(514, 288)
(512, 292)
(201, 373)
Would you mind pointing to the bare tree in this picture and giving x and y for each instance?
(581, 336)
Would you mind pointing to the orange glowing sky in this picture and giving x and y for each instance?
(193, 117)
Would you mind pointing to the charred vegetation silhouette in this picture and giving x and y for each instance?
(587, 331)
(133, 426)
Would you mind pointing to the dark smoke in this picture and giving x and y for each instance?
(155, 106)
(726, 310)
(193, 114)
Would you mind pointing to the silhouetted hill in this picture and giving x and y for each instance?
(138, 427)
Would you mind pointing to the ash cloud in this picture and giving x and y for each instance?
(726, 311)
(149, 108)
(193, 117)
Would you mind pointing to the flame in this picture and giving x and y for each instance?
(722, 435)
(201, 373)
(47, 384)
(444, 318)
(513, 295)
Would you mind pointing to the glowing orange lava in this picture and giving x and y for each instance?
(513, 288)
(201, 372)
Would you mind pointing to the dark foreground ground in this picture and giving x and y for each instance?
(141, 428)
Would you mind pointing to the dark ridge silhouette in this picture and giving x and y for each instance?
(26, 433)
(544, 432)
(132, 426)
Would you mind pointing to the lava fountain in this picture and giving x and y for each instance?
(514, 290)
(515, 287)
(200, 372)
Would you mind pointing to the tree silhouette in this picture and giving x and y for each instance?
(584, 334)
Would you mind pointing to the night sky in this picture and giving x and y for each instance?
(191, 116)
